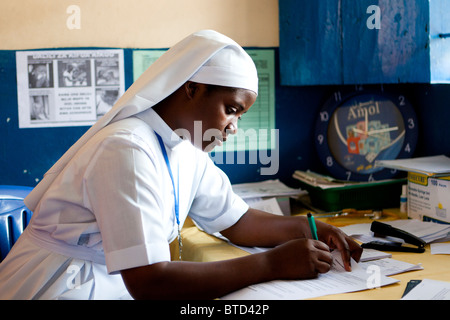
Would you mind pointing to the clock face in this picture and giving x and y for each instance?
(353, 132)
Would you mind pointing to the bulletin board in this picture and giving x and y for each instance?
(26, 153)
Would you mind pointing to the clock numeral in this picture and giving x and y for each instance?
(324, 116)
(371, 178)
(407, 148)
(411, 124)
(337, 96)
(320, 138)
(349, 174)
(401, 100)
(329, 161)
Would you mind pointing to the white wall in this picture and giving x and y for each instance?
(30, 24)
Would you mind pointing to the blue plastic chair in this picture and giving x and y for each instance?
(14, 216)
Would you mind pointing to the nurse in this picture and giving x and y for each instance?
(106, 212)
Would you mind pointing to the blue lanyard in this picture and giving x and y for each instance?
(176, 191)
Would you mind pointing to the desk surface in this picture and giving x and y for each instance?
(201, 247)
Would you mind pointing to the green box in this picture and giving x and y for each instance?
(374, 195)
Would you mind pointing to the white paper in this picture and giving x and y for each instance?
(268, 188)
(429, 290)
(372, 254)
(389, 266)
(337, 280)
(440, 248)
(67, 87)
(434, 165)
(427, 231)
(269, 205)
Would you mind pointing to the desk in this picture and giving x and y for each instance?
(201, 247)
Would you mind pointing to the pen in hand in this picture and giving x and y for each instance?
(312, 226)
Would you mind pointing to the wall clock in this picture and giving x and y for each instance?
(355, 129)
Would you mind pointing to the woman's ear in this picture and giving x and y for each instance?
(190, 88)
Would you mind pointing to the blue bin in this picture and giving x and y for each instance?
(14, 216)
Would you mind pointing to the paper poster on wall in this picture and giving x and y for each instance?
(257, 126)
(59, 88)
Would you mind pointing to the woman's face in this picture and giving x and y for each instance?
(215, 113)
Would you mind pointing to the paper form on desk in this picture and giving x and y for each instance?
(389, 266)
(429, 290)
(337, 280)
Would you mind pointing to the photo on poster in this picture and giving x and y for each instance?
(74, 73)
(40, 74)
(39, 107)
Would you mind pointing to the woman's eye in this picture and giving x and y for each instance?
(231, 110)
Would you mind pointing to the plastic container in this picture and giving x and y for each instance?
(376, 195)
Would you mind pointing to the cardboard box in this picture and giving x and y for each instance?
(429, 197)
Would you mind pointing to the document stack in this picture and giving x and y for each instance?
(428, 186)
(270, 195)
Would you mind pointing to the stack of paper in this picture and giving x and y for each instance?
(268, 188)
(263, 195)
(431, 166)
(427, 231)
(326, 182)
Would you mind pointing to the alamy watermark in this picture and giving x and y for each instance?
(374, 279)
(73, 21)
(374, 21)
(73, 281)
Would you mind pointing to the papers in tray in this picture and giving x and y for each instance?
(427, 231)
(326, 182)
(431, 166)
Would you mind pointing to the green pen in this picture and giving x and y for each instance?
(312, 226)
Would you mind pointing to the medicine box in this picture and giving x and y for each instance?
(429, 198)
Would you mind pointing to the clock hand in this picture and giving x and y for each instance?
(358, 131)
(382, 130)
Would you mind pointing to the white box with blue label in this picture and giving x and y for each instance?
(428, 197)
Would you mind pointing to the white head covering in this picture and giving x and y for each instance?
(205, 57)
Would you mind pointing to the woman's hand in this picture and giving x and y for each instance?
(336, 239)
(299, 259)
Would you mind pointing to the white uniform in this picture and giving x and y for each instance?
(112, 208)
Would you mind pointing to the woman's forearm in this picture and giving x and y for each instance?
(195, 280)
(259, 228)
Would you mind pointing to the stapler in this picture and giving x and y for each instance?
(383, 230)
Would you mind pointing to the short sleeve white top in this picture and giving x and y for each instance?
(114, 201)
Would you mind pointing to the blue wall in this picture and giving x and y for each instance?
(298, 107)
(26, 154)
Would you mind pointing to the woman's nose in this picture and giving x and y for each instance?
(232, 127)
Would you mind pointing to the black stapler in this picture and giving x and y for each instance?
(383, 230)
